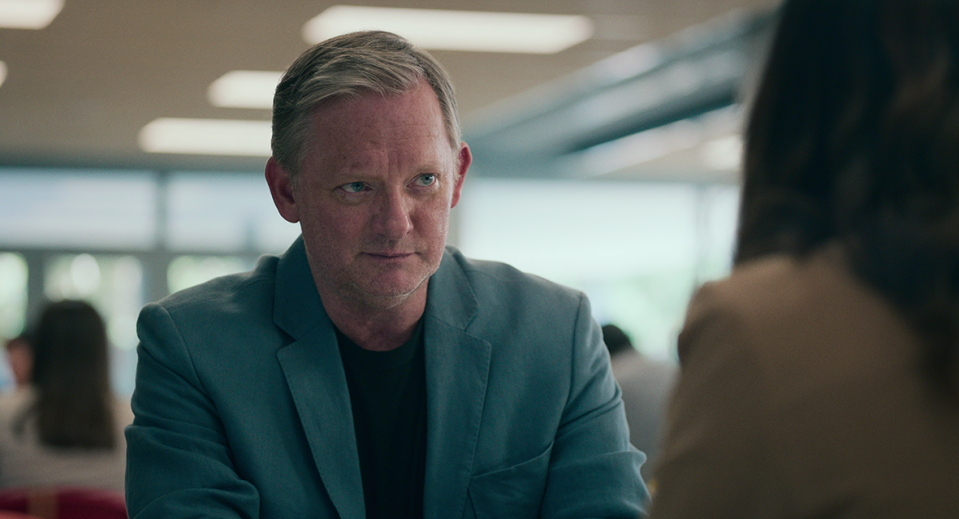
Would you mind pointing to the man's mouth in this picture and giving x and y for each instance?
(389, 255)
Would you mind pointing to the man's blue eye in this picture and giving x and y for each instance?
(426, 180)
(354, 187)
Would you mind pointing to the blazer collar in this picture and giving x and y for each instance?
(457, 368)
(317, 382)
(450, 297)
(296, 306)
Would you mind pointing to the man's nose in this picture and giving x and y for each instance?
(392, 218)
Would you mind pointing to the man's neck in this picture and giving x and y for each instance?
(378, 329)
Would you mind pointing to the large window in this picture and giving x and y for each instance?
(77, 208)
(122, 238)
(638, 250)
(13, 306)
(13, 294)
(186, 271)
(224, 212)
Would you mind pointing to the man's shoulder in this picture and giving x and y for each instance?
(488, 277)
(491, 293)
(211, 319)
(228, 291)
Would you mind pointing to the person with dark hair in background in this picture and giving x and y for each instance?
(646, 384)
(20, 359)
(821, 379)
(370, 371)
(66, 428)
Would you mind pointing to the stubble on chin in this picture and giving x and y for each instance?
(369, 290)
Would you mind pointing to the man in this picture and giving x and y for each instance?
(369, 372)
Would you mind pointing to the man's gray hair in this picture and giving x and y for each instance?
(348, 66)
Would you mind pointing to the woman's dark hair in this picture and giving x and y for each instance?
(853, 137)
(74, 406)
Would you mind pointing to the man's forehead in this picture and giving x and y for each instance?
(377, 132)
(359, 95)
(415, 110)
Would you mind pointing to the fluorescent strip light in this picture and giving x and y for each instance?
(724, 153)
(207, 137)
(244, 89)
(28, 14)
(457, 30)
(3, 72)
(639, 148)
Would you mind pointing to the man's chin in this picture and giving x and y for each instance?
(388, 295)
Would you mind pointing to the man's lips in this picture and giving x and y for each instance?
(389, 255)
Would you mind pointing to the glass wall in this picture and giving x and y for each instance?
(223, 212)
(78, 209)
(121, 239)
(186, 271)
(637, 250)
(13, 305)
(13, 294)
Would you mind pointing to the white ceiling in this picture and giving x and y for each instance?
(78, 92)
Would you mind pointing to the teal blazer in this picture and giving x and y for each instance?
(242, 409)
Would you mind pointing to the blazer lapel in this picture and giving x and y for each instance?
(457, 368)
(317, 382)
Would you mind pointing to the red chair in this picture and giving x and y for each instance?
(6, 514)
(64, 503)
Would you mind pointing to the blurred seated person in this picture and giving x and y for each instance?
(821, 379)
(20, 359)
(66, 427)
(646, 384)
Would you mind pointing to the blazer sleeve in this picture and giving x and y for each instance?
(713, 461)
(178, 460)
(593, 469)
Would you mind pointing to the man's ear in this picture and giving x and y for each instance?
(281, 187)
(463, 164)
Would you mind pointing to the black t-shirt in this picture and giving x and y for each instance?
(388, 399)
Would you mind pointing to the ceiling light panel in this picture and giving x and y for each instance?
(28, 14)
(207, 137)
(457, 30)
(244, 89)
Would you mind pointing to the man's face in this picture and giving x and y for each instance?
(373, 196)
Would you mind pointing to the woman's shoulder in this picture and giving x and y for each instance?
(780, 284)
(784, 307)
(799, 315)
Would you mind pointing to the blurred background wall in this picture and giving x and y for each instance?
(609, 164)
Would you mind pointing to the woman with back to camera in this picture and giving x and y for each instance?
(820, 379)
(66, 428)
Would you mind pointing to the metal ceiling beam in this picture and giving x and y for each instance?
(693, 72)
